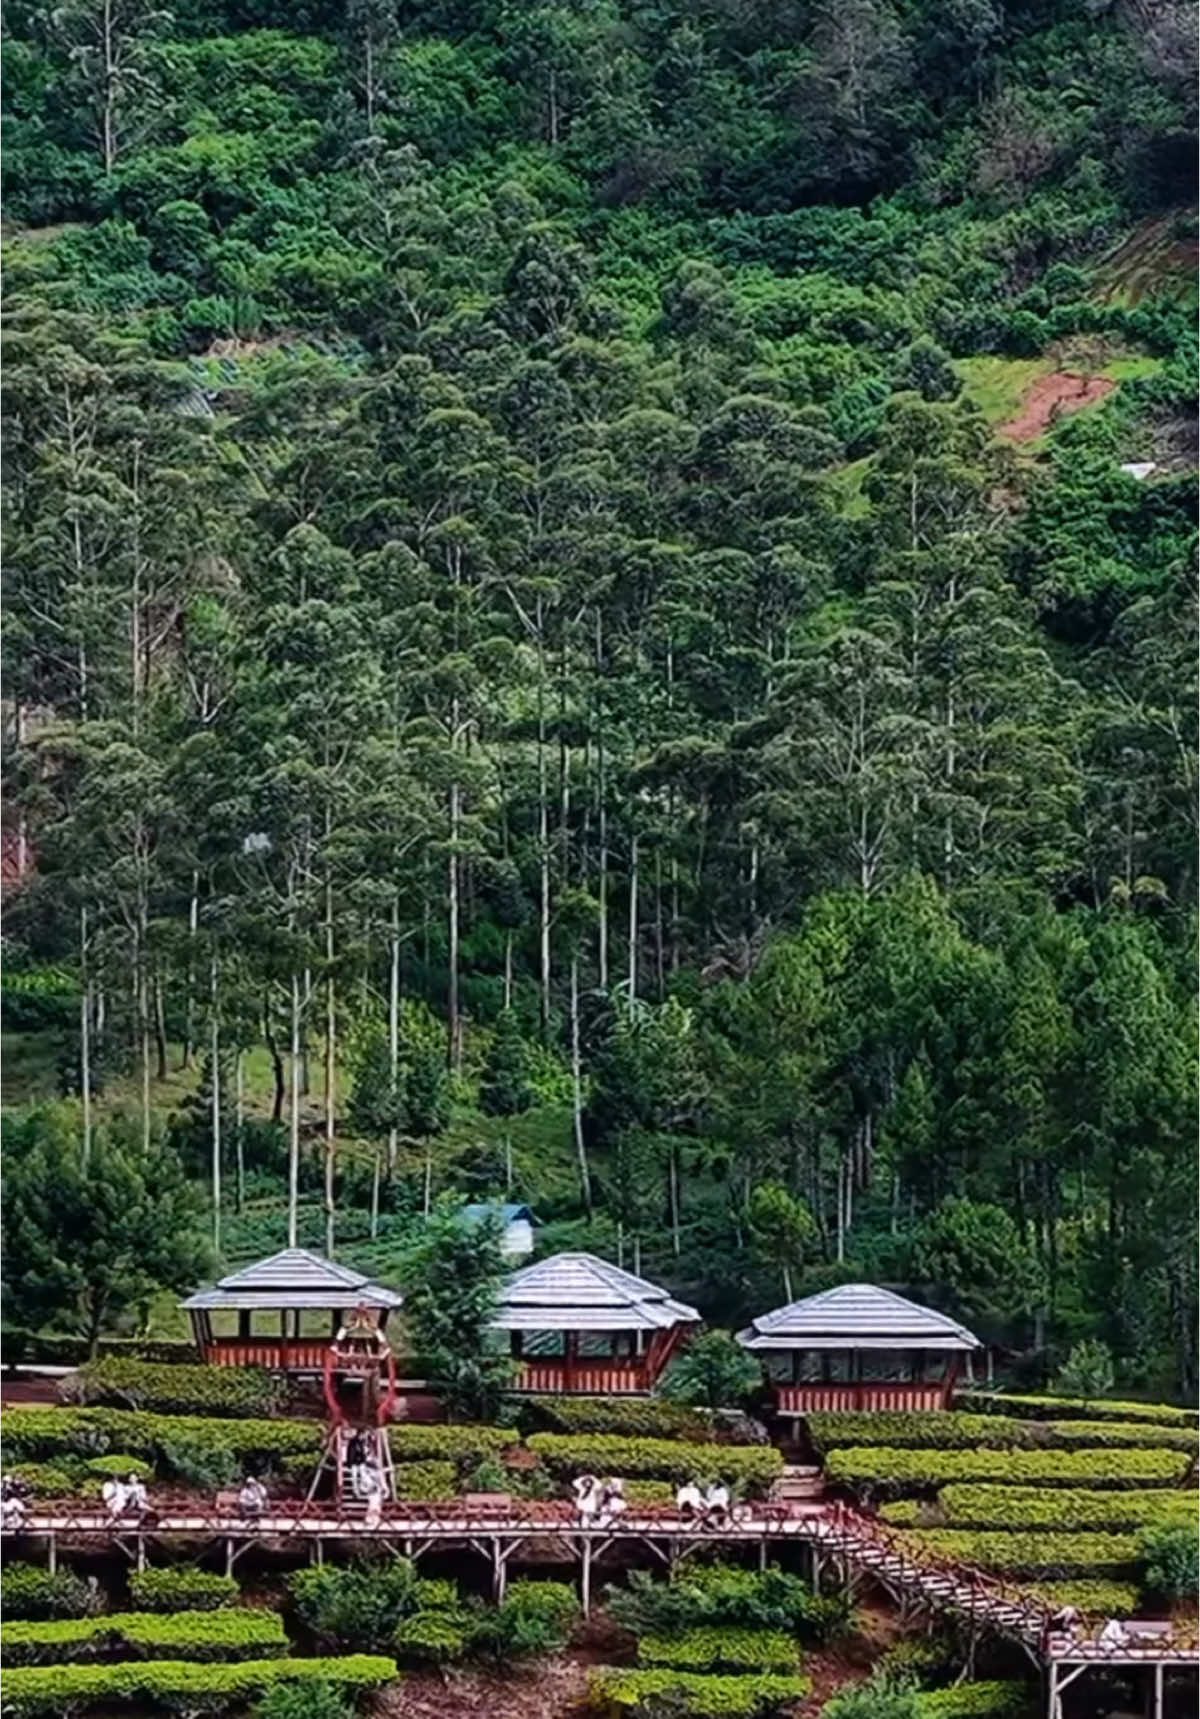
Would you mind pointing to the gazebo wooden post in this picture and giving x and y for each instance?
(570, 1356)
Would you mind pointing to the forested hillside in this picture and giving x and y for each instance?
(565, 637)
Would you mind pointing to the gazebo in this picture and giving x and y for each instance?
(578, 1324)
(858, 1347)
(255, 1317)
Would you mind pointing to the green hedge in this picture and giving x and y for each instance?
(51, 1349)
(1097, 1599)
(234, 1633)
(242, 1392)
(32, 1592)
(433, 1637)
(1033, 1554)
(435, 1594)
(979, 1701)
(36, 1690)
(1068, 1408)
(120, 1464)
(1062, 1508)
(721, 1648)
(449, 1443)
(884, 1469)
(48, 1479)
(972, 1432)
(181, 1590)
(36, 1434)
(748, 1467)
(634, 1417)
(427, 1480)
(691, 1695)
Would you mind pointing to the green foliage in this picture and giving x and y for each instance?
(432, 1637)
(641, 1417)
(242, 1633)
(467, 1444)
(892, 1472)
(1172, 1556)
(1087, 1372)
(48, 1479)
(120, 1464)
(883, 1696)
(720, 1648)
(199, 1462)
(749, 1468)
(705, 1596)
(177, 1390)
(427, 1480)
(1094, 1599)
(986, 1700)
(355, 1605)
(303, 1701)
(91, 1432)
(150, 1684)
(651, 1694)
(1062, 1408)
(1033, 1507)
(456, 1271)
(31, 1592)
(181, 1590)
(504, 1088)
(956, 1431)
(712, 1371)
(1033, 1554)
(534, 1618)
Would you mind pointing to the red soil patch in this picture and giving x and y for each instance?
(551, 1689)
(1052, 397)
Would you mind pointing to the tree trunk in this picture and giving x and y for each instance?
(160, 1031)
(185, 1060)
(393, 1024)
(585, 1180)
(453, 1046)
(330, 1063)
(633, 918)
(85, 1035)
(239, 1120)
(294, 1121)
(375, 1195)
(215, 1055)
(543, 849)
(601, 819)
(276, 1056)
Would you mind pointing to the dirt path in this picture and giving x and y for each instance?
(550, 1690)
(1052, 397)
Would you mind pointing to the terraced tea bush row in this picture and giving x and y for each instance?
(1068, 1408)
(449, 1443)
(234, 1633)
(245, 1392)
(750, 1468)
(38, 1434)
(884, 1470)
(32, 1592)
(47, 1691)
(970, 1432)
(1062, 1508)
(1033, 1554)
(1095, 1599)
(430, 1481)
(979, 1701)
(181, 1590)
(691, 1695)
(721, 1648)
(634, 1417)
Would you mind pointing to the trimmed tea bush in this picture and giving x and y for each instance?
(978, 1701)
(36, 1690)
(31, 1592)
(727, 1595)
(1033, 1554)
(1172, 1554)
(751, 1468)
(427, 1480)
(434, 1594)
(692, 1695)
(972, 1432)
(886, 1470)
(48, 1479)
(1095, 1599)
(1068, 1408)
(1062, 1508)
(721, 1648)
(181, 1590)
(637, 1417)
(237, 1633)
(244, 1392)
(38, 1434)
(433, 1637)
(119, 1465)
(533, 1618)
(354, 1605)
(465, 1444)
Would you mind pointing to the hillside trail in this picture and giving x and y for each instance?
(1052, 397)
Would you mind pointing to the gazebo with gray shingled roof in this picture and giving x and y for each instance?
(858, 1347)
(581, 1325)
(266, 1303)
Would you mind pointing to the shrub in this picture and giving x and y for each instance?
(972, 1432)
(692, 1695)
(1065, 1408)
(488, 1476)
(1026, 1554)
(200, 1463)
(303, 1701)
(432, 1638)
(534, 1618)
(882, 1697)
(120, 1465)
(750, 1468)
(354, 1605)
(713, 1371)
(1061, 1507)
(721, 1648)
(432, 1594)
(238, 1633)
(427, 1480)
(41, 1433)
(882, 1469)
(654, 1492)
(30, 1592)
(978, 1701)
(1096, 1599)
(181, 1590)
(47, 1479)
(33, 1691)
(636, 1417)
(1087, 1372)
(1172, 1554)
(724, 1594)
(449, 1443)
(244, 1392)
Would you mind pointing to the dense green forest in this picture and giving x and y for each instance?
(542, 658)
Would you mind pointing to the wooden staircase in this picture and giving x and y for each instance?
(798, 1485)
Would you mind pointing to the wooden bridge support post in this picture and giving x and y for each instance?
(140, 1558)
(762, 1554)
(1053, 1704)
(499, 1571)
(585, 1579)
(51, 1553)
(228, 1556)
(1158, 1690)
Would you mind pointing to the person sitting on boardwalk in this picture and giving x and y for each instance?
(1113, 1634)
(373, 1493)
(586, 1489)
(137, 1500)
(115, 1497)
(689, 1501)
(12, 1504)
(612, 1501)
(252, 1499)
(716, 1503)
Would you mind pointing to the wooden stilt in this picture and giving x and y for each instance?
(1158, 1690)
(499, 1571)
(51, 1553)
(228, 1557)
(1053, 1706)
(585, 1579)
(762, 1554)
(140, 1560)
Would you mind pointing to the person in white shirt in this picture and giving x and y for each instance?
(716, 1503)
(372, 1492)
(689, 1500)
(115, 1497)
(252, 1499)
(12, 1510)
(136, 1498)
(612, 1500)
(587, 1495)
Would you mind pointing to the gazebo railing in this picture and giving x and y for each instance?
(290, 1354)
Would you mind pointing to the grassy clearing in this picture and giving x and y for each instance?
(999, 385)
